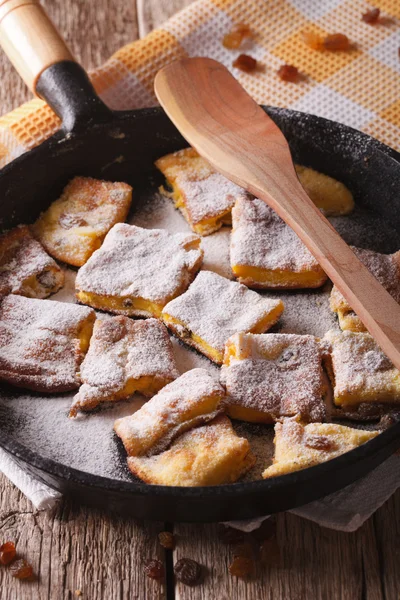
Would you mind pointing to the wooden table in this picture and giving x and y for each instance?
(103, 555)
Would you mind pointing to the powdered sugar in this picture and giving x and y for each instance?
(215, 308)
(22, 259)
(261, 239)
(121, 352)
(195, 397)
(39, 346)
(144, 263)
(278, 374)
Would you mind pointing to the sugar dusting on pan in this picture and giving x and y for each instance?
(88, 442)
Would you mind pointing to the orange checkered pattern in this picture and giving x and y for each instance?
(359, 87)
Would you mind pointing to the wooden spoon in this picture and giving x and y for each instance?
(226, 126)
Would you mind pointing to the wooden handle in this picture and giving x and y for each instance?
(215, 114)
(30, 40)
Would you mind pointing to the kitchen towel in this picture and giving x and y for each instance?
(359, 87)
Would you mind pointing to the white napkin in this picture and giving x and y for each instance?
(345, 510)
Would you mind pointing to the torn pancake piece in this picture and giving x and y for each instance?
(214, 308)
(25, 267)
(385, 268)
(329, 194)
(74, 226)
(299, 446)
(364, 380)
(125, 357)
(211, 454)
(43, 342)
(273, 375)
(204, 197)
(195, 397)
(138, 271)
(267, 253)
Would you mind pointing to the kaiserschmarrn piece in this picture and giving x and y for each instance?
(211, 454)
(194, 398)
(365, 382)
(385, 268)
(204, 197)
(138, 271)
(330, 195)
(43, 342)
(267, 253)
(214, 308)
(273, 375)
(74, 226)
(299, 446)
(125, 357)
(25, 267)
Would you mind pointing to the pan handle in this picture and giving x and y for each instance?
(39, 54)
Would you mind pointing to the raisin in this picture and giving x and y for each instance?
(313, 40)
(68, 221)
(228, 535)
(288, 73)
(21, 569)
(232, 40)
(7, 553)
(46, 279)
(154, 569)
(336, 42)
(241, 566)
(386, 421)
(319, 442)
(127, 303)
(188, 571)
(371, 16)
(245, 63)
(166, 540)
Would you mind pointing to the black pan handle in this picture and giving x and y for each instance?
(47, 66)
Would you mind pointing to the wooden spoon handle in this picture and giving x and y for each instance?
(215, 114)
(30, 40)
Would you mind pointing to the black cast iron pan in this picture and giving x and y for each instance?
(97, 142)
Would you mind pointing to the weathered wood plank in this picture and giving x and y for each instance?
(77, 549)
(93, 30)
(317, 563)
(152, 13)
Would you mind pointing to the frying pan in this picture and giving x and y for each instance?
(95, 141)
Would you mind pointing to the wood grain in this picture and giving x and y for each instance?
(230, 130)
(77, 549)
(101, 555)
(92, 30)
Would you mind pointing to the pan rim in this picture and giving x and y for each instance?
(69, 474)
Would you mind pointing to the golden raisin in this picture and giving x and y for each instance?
(188, 571)
(336, 42)
(7, 553)
(166, 540)
(21, 569)
(154, 569)
(67, 221)
(288, 73)
(318, 442)
(313, 40)
(245, 63)
(371, 16)
(232, 40)
(241, 566)
(243, 29)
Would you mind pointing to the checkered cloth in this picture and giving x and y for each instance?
(360, 87)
